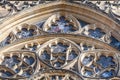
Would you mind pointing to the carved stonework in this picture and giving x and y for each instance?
(62, 23)
(20, 64)
(111, 8)
(99, 64)
(59, 40)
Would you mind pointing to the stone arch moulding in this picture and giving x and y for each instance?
(59, 39)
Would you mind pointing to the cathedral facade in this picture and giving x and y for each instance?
(59, 40)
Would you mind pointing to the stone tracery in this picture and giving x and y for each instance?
(19, 64)
(58, 24)
(99, 64)
(59, 53)
(59, 57)
(62, 24)
(63, 54)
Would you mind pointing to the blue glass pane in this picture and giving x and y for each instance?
(108, 74)
(29, 60)
(106, 61)
(6, 41)
(72, 55)
(40, 25)
(25, 33)
(10, 61)
(57, 64)
(8, 74)
(45, 55)
(17, 70)
(88, 73)
(82, 23)
(115, 43)
(97, 33)
(59, 48)
(97, 70)
(87, 60)
(62, 57)
(33, 48)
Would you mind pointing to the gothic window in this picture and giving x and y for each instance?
(59, 40)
